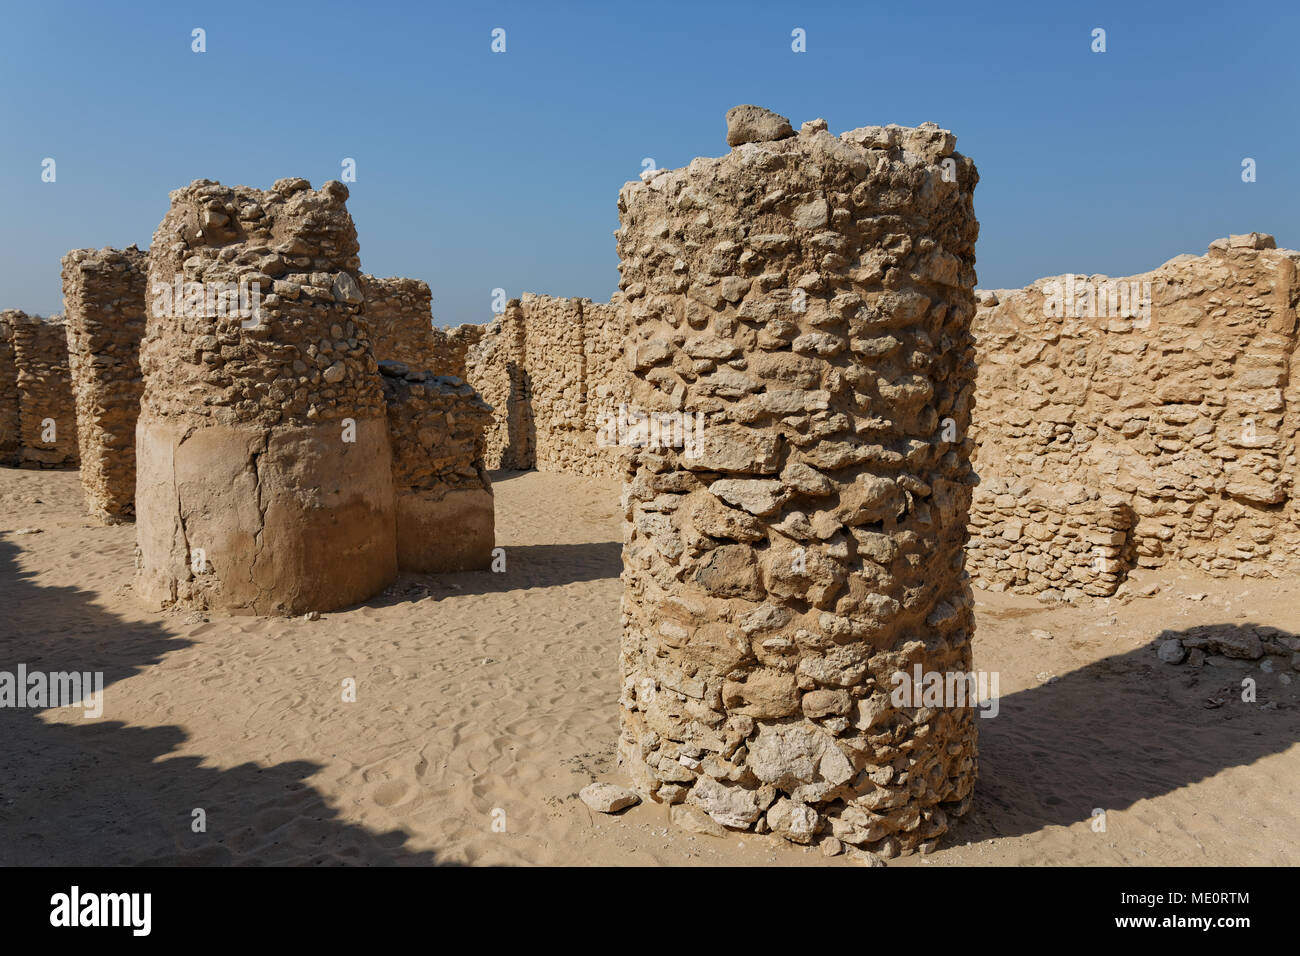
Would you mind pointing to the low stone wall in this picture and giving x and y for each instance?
(1170, 391)
(1058, 541)
(444, 496)
(103, 300)
(47, 410)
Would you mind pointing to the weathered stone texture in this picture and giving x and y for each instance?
(47, 411)
(10, 434)
(444, 496)
(262, 444)
(812, 297)
(450, 348)
(1183, 416)
(103, 303)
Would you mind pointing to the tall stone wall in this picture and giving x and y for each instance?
(553, 370)
(445, 519)
(811, 296)
(1139, 421)
(264, 465)
(47, 411)
(103, 302)
(10, 434)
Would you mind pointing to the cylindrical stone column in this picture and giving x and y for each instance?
(47, 412)
(103, 304)
(264, 478)
(445, 515)
(800, 310)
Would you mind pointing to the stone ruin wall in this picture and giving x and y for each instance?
(494, 365)
(445, 515)
(47, 410)
(775, 583)
(399, 313)
(103, 301)
(263, 441)
(551, 368)
(1109, 441)
(10, 432)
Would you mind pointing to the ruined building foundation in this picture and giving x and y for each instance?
(103, 301)
(264, 467)
(811, 295)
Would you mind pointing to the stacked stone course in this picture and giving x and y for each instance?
(264, 465)
(47, 410)
(103, 300)
(811, 295)
(444, 496)
(1184, 416)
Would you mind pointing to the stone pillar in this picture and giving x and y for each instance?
(264, 467)
(444, 496)
(103, 301)
(810, 296)
(47, 412)
(10, 441)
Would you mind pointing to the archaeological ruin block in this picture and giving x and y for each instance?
(811, 297)
(10, 434)
(47, 411)
(1166, 394)
(495, 367)
(264, 469)
(444, 500)
(103, 302)
(399, 313)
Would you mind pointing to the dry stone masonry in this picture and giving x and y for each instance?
(47, 411)
(811, 296)
(264, 466)
(1136, 421)
(444, 496)
(103, 301)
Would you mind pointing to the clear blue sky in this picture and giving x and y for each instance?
(478, 170)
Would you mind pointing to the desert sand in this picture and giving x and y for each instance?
(485, 701)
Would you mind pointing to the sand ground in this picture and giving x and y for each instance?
(485, 701)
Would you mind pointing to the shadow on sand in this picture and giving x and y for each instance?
(98, 792)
